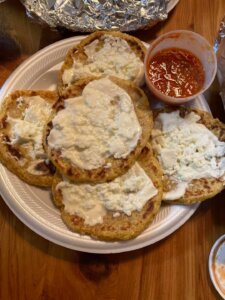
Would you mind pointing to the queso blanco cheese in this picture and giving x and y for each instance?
(124, 194)
(115, 58)
(187, 150)
(99, 124)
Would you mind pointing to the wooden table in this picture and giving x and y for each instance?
(174, 268)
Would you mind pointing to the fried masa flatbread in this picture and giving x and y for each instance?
(77, 53)
(16, 156)
(198, 189)
(115, 166)
(122, 227)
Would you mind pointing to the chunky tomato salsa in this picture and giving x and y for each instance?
(176, 72)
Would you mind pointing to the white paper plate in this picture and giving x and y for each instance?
(33, 206)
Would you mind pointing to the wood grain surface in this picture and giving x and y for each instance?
(174, 268)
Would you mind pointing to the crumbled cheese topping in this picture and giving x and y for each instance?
(99, 124)
(20, 101)
(115, 57)
(126, 194)
(187, 150)
(29, 130)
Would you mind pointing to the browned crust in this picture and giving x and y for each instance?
(77, 52)
(10, 155)
(123, 227)
(118, 166)
(205, 188)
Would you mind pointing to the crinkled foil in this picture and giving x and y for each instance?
(220, 49)
(91, 15)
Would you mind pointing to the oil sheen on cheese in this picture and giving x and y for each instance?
(114, 57)
(99, 124)
(187, 150)
(28, 131)
(125, 194)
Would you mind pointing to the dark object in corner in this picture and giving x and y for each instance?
(9, 47)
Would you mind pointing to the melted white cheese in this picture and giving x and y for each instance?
(29, 130)
(115, 58)
(177, 192)
(126, 194)
(187, 150)
(99, 124)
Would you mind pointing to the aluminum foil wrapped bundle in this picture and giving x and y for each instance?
(91, 15)
(220, 49)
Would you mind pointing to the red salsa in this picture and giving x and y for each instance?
(176, 72)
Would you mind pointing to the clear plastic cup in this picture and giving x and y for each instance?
(216, 265)
(194, 43)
